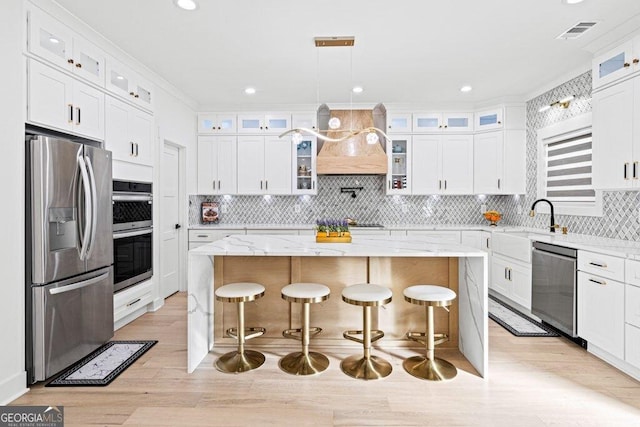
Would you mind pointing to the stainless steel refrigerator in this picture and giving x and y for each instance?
(70, 252)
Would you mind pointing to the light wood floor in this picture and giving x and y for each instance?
(533, 382)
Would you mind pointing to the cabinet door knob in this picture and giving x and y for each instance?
(131, 93)
(636, 60)
(266, 127)
(136, 96)
(79, 65)
(70, 61)
(218, 127)
(627, 65)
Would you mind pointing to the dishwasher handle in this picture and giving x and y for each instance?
(540, 252)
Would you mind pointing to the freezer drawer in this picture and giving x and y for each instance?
(71, 318)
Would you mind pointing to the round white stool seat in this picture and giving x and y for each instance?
(239, 292)
(366, 294)
(437, 296)
(305, 292)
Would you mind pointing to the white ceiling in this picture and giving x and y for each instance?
(406, 52)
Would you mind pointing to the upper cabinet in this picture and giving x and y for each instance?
(260, 123)
(617, 63)
(616, 136)
(59, 101)
(126, 83)
(217, 123)
(489, 119)
(442, 122)
(305, 120)
(129, 132)
(264, 165)
(399, 166)
(442, 164)
(217, 165)
(304, 166)
(58, 44)
(399, 122)
(499, 162)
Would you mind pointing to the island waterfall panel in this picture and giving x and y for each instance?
(334, 316)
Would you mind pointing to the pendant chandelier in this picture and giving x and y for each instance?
(334, 122)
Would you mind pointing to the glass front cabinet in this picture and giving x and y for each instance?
(304, 166)
(399, 166)
(614, 64)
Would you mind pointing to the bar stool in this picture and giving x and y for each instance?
(367, 367)
(429, 367)
(304, 362)
(240, 360)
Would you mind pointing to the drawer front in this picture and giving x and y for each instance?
(632, 305)
(211, 235)
(632, 272)
(632, 345)
(601, 265)
(517, 247)
(436, 236)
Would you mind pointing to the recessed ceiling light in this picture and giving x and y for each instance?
(250, 90)
(357, 89)
(466, 88)
(572, 1)
(186, 4)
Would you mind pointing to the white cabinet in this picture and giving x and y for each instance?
(442, 164)
(632, 313)
(305, 120)
(399, 122)
(217, 123)
(217, 165)
(489, 119)
(264, 165)
(511, 267)
(59, 101)
(477, 239)
(616, 63)
(304, 178)
(399, 165)
(129, 132)
(601, 312)
(512, 279)
(124, 82)
(499, 162)
(616, 136)
(442, 122)
(58, 44)
(257, 123)
(131, 303)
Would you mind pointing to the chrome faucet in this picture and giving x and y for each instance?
(533, 213)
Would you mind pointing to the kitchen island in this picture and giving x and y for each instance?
(275, 261)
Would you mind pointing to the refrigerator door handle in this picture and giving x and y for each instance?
(94, 206)
(83, 284)
(86, 234)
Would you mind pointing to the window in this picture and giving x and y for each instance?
(565, 167)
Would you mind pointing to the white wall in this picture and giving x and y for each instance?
(12, 116)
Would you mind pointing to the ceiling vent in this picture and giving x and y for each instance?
(577, 30)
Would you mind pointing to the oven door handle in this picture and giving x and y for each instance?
(132, 197)
(132, 233)
(83, 284)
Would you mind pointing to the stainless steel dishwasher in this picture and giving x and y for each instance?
(554, 293)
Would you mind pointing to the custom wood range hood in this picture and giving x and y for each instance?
(353, 156)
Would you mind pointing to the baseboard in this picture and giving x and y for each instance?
(130, 317)
(156, 304)
(13, 387)
(628, 369)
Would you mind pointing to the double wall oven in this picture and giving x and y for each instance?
(132, 233)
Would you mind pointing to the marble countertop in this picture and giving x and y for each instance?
(376, 246)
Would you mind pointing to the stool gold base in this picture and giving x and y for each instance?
(234, 362)
(298, 363)
(432, 370)
(362, 368)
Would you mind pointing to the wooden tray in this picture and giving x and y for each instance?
(332, 239)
